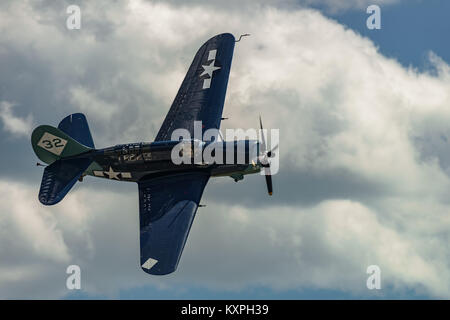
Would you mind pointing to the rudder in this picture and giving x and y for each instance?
(76, 126)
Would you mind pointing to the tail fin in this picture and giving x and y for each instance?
(76, 126)
(53, 146)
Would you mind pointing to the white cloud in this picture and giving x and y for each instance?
(14, 124)
(86, 102)
(343, 5)
(328, 246)
(330, 6)
(341, 107)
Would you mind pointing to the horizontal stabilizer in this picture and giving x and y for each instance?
(59, 178)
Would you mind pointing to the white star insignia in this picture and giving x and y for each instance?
(209, 69)
(112, 175)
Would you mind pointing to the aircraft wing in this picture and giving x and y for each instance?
(167, 207)
(202, 93)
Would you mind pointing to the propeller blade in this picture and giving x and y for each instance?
(269, 154)
(263, 139)
(269, 183)
(274, 148)
(264, 159)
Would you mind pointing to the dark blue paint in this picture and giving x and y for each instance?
(76, 126)
(167, 207)
(59, 178)
(169, 194)
(192, 102)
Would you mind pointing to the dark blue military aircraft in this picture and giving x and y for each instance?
(169, 193)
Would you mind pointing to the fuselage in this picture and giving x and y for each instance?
(134, 161)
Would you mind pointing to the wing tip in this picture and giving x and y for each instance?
(47, 202)
(225, 35)
(154, 267)
(155, 271)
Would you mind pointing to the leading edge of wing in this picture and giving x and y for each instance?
(167, 209)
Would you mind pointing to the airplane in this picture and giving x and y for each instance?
(169, 194)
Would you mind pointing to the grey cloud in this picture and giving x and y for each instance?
(359, 181)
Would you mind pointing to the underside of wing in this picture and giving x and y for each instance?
(202, 94)
(167, 207)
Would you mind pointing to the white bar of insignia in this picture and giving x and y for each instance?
(212, 54)
(206, 83)
(149, 263)
(126, 175)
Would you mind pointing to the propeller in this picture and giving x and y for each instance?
(264, 159)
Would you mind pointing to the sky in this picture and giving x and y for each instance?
(364, 137)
